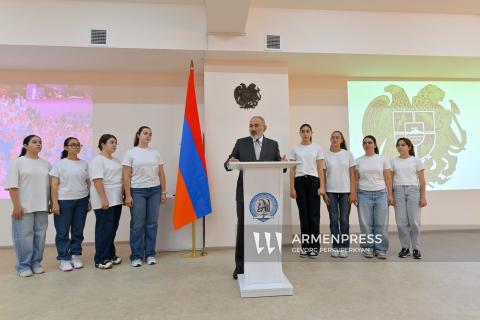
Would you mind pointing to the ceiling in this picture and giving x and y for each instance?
(317, 64)
(421, 6)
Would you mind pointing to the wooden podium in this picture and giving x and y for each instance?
(263, 218)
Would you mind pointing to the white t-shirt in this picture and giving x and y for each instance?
(110, 170)
(72, 177)
(405, 171)
(308, 156)
(144, 164)
(31, 178)
(338, 166)
(370, 170)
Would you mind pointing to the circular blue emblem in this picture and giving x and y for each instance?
(263, 206)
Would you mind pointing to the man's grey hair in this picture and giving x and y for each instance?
(259, 117)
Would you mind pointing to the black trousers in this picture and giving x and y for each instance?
(308, 202)
(239, 248)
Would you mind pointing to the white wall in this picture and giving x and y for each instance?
(356, 32)
(225, 122)
(184, 27)
(129, 25)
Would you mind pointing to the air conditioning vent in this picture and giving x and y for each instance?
(272, 42)
(98, 37)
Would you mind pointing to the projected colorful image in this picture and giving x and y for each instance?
(52, 111)
(438, 117)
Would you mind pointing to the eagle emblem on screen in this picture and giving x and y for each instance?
(434, 129)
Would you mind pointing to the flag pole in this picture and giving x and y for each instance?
(204, 252)
(193, 252)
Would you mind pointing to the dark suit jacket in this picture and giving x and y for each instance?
(244, 151)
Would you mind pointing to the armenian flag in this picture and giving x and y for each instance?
(192, 197)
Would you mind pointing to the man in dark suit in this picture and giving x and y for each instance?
(256, 147)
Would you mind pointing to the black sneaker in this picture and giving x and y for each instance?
(404, 253)
(417, 254)
(107, 264)
(116, 260)
(303, 253)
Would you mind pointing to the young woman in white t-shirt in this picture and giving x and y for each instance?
(106, 196)
(307, 185)
(409, 193)
(374, 193)
(29, 186)
(70, 204)
(145, 188)
(340, 192)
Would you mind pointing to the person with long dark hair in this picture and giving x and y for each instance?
(106, 194)
(340, 192)
(409, 194)
(70, 204)
(145, 188)
(374, 194)
(307, 185)
(29, 186)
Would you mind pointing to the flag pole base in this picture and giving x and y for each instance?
(194, 253)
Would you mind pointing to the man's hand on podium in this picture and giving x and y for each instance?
(284, 158)
(233, 159)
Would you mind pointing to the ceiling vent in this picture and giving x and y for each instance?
(98, 37)
(272, 42)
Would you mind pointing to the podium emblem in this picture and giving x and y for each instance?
(263, 206)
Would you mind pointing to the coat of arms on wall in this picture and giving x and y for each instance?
(247, 97)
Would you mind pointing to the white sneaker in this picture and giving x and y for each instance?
(77, 262)
(65, 265)
(368, 253)
(151, 261)
(136, 263)
(381, 254)
(25, 273)
(343, 253)
(38, 269)
(334, 253)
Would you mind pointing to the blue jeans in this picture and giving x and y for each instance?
(373, 218)
(106, 226)
(407, 215)
(72, 217)
(144, 221)
(29, 239)
(339, 212)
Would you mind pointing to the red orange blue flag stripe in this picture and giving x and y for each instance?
(192, 197)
